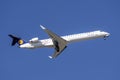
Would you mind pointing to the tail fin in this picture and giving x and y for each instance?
(15, 40)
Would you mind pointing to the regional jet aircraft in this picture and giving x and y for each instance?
(59, 43)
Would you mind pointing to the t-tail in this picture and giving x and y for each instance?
(15, 40)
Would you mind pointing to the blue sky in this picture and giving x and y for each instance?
(88, 60)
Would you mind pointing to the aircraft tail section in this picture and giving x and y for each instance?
(15, 40)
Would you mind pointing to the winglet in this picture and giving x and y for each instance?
(50, 57)
(42, 27)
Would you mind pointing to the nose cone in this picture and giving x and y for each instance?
(107, 34)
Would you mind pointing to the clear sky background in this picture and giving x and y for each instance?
(88, 60)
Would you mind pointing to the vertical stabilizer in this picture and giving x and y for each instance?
(16, 40)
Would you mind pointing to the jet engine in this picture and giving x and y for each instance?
(34, 40)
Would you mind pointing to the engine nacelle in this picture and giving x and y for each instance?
(34, 40)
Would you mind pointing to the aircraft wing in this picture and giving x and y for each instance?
(59, 43)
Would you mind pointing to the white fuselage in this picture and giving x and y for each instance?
(68, 38)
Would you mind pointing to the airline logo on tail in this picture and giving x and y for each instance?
(17, 40)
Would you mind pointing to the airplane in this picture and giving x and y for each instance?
(59, 43)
